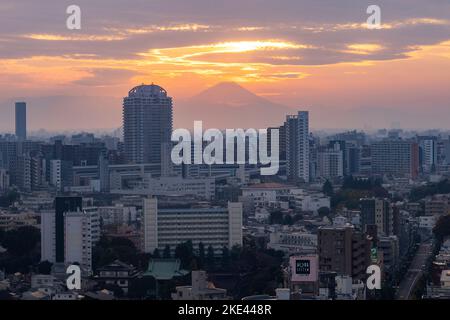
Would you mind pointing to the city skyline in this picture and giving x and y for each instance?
(311, 55)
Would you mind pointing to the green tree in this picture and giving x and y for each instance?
(184, 252)
(442, 228)
(201, 254)
(210, 257)
(45, 267)
(109, 249)
(287, 220)
(276, 217)
(166, 253)
(141, 288)
(8, 198)
(156, 254)
(235, 253)
(324, 212)
(327, 188)
(297, 217)
(21, 241)
(225, 258)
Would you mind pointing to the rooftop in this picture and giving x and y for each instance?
(147, 91)
(165, 269)
(269, 185)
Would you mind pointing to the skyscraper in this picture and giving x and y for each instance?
(147, 123)
(21, 121)
(297, 146)
(428, 153)
(81, 232)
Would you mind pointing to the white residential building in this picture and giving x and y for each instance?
(56, 174)
(81, 232)
(215, 226)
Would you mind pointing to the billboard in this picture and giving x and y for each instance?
(304, 268)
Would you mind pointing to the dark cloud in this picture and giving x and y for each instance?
(290, 20)
(105, 77)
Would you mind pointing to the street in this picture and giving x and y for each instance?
(414, 272)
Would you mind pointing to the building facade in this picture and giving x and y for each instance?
(217, 227)
(297, 146)
(147, 123)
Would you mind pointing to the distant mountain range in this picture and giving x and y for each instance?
(225, 105)
(228, 105)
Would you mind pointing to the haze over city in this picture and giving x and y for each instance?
(313, 55)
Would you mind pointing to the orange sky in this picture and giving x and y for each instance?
(319, 63)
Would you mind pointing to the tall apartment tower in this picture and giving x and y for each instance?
(297, 146)
(21, 121)
(147, 124)
(52, 228)
(81, 232)
(428, 153)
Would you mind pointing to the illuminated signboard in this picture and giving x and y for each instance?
(303, 267)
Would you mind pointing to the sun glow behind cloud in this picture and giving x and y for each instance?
(302, 53)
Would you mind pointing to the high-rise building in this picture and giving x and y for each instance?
(377, 212)
(297, 146)
(389, 248)
(331, 162)
(81, 232)
(69, 233)
(428, 153)
(62, 205)
(343, 250)
(395, 157)
(61, 174)
(4, 179)
(23, 172)
(147, 123)
(353, 160)
(103, 173)
(281, 140)
(21, 121)
(365, 160)
(212, 226)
